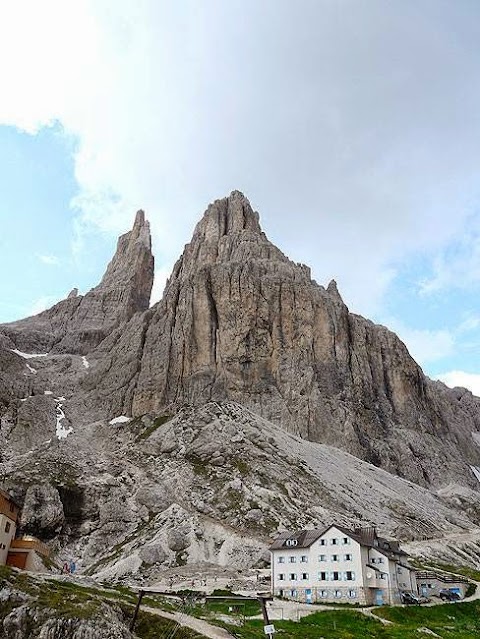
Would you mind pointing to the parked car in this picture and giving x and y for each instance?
(448, 595)
(412, 598)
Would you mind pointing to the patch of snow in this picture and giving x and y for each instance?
(48, 392)
(28, 355)
(31, 369)
(476, 437)
(24, 399)
(122, 419)
(85, 362)
(60, 399)
(476, 471)
(61, 432)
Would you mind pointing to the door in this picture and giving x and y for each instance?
(379, 597)
(308, 595)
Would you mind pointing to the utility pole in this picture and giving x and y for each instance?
(268, 628)
(135, 614)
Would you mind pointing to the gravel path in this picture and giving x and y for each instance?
(199, 625)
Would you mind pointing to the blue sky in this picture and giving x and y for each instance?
(352, 126)
(37, 245)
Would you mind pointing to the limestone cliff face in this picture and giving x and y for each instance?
(238, 378)
(79, 323)
(240, 321)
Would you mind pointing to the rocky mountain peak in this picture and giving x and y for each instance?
(133, 261)
(232, 214)
(333, 291)
(229, 232)
(241, 322)
(243, 383)
(80, 322)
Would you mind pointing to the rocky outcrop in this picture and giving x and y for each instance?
(79, 323)
(233, 397)
(22, 617)
(211, 484)
(240, 321)
(42, 513)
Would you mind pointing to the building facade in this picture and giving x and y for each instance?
(8, 524)
(26, 552)
(340, 565)
(431, 583)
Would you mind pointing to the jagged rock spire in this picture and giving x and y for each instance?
(231, 214)
(79, 323)
(132, 268)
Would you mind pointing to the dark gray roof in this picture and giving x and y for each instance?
(364, 536)
(368, 537)
(304, 539)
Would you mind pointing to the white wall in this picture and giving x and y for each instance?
(313, 566)
(5, 537)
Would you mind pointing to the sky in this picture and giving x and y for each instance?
(353, 126)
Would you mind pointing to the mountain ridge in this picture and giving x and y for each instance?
(243, 348)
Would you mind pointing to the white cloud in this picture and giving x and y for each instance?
(343, 124)
(425, 346)
(462, 379)
(469, 324)
(51, 260)
(41, 304)
(458, 265)
(161, 276)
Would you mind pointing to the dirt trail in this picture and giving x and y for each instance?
(199, 625)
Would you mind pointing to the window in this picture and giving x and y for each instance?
(323, 576)
(383, 575)
(350, 575)
(281, 560)
(322, 557)
(373, 560)
(7, 527)
(338, 594)
(293, 576)
(348, 557)
(352, 594)
(323, 594)
(379, 560)
(293, 593)
(292, 560)
(323, 542)
(334, 557)
(335, 575)
(334, 541)
(304, 575)
(281, 577)
(346, 541)
(303, 559)
(291, 542)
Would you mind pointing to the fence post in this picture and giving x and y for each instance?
(135, 614)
